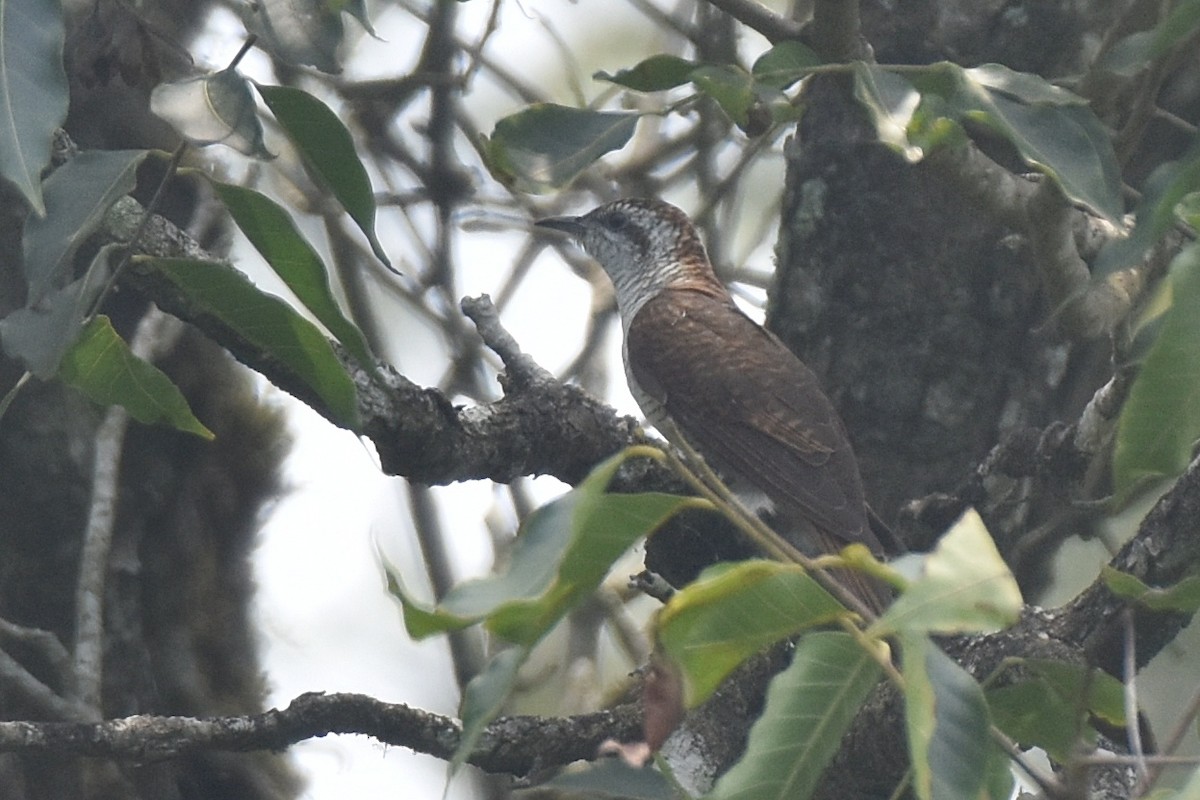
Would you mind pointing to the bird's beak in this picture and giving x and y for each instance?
(568, 225)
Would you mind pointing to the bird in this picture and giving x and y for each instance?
(705, 374)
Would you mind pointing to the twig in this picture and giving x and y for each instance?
(21, 685)
(522, 370)
(48, 646)
(1133, 728)
(1174, 739)
(466, 652)
(88, 650)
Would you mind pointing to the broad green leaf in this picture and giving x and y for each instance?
(1168, 185)
(217, 108)
(484, 697)
(102, 366)
(1049, 708)
(1050, 130)
(1068, 144)
(33, 92)
(999, 783)
(1188, 209)
(301, 32)
(655, 74)
(964, 586)
(1135, 52)
(731, 87)
(78, 195)
(1183, 596)
(546, 146)
(611, 778)
(784, 64)
(275, 236)
(1160, 422)
(1035, 715)
(947, 721)
(41, 333)
(1025, 87)
(890, 100)
(266, 323)
(733, 611)
(808, 708)
(563, 552)
(328, 150)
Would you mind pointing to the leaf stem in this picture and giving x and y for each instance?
(237, 59)
(701, 477)
(172, 169)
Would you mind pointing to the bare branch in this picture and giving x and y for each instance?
(512, 745)
(19, 683)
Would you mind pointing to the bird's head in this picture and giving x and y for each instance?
(644, 245)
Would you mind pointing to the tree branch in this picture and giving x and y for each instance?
(1060, 237)
(753, 15)
(512, 745)
(538, 428)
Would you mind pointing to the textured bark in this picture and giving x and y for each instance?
(923, 314)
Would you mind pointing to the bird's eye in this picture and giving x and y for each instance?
(616, 221)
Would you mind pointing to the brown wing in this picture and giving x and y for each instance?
(753, 409)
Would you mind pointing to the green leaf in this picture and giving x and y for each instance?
(731, 87)
(33, 92)
(1160, 422)
(890, 101)
(808, 708)
(964, 586)
(784, 64)
(266, 323)
(328, 150)
(484, 698)
(611, 778)
(101, 365)
(999, 782)
(275, 236)
(1183, 596)
(1066, 143)
(733, 611)
(1049, 708)
(655, 74)
(1162, 193)
(300, 32)
(1025, 87)
(564, 550)
(41, 333)
(78, 195)
(217, 108)
(947, 721)
(546, 146)
(1052, 131)
(1135, 52)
